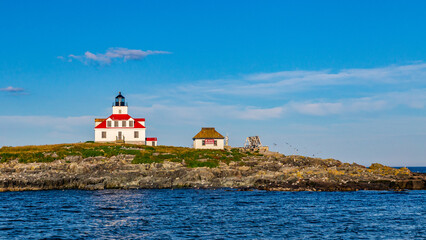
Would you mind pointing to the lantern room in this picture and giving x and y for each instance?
(120, 100)
(120, 105)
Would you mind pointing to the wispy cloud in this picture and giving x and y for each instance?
(196, 112)
(44, 129)
(111, 54)
(12, 89)
(412, 99)
(337, 107)
(201, 112)
(264, 84)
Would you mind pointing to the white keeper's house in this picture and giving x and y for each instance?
(120, 127)
(208, 138)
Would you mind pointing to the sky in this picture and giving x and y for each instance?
(329, 79)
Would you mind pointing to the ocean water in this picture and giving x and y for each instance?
(212, 214)
(417, 169)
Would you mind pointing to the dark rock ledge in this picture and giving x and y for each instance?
(268, 172)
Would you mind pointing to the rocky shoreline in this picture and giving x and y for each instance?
(273, 172)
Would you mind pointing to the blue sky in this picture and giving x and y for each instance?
(338, 79)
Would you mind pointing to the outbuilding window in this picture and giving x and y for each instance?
(123, 123)
(103, 134)
(108, 123)
(215, 142)
(130, 123)
(203, 143)
(115, 123)
(136, 134)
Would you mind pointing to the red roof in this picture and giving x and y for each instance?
(116, 117)
(102, 125)
(138, 125)
(139, 119)
(151, 139)
(120, 117)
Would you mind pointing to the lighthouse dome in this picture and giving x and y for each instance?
(120, 100)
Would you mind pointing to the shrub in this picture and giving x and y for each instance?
(145, 158)
(91, 153)
(4, 157)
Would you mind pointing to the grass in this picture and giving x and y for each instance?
(143, 154)
(192, 157)
(49, 153)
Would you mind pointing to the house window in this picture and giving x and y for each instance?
(103, 134)
(136, 134)
(115, 123)
(109, 124)
(130, 123)
(203, 143)
(215, 142)
(123, 123)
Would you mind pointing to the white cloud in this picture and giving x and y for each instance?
(414, 99)
(43, 121)
(264, 84)
(338, 107)
(318, 109)
(251, 113)
(22, 130)
(12, 89)
(111, 54)
(200, 112)
(195, 112)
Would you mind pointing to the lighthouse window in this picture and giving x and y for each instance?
(103, 134)
(115, 123)
(109, 124)
(130, 123)
(136, 134)
(123, 123)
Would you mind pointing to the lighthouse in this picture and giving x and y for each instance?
(120, 127)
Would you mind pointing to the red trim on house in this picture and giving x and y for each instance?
(120, 117)
(151, 139)
(139, 119)
(138, 125)
(102, 124)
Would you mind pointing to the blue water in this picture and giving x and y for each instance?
(212, 214)
(417, 169)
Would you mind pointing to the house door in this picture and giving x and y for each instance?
(120, 136)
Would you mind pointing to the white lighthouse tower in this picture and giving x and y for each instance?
(120, 127)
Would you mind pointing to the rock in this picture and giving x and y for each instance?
(275, 173)
(73, 158)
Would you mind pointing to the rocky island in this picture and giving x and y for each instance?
(94, 166)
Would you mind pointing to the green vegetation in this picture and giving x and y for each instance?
(191, 157)
(385, 170)
(49, 153)
(143, 154)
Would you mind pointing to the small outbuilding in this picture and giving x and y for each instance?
(151, 141)
(208, 138)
